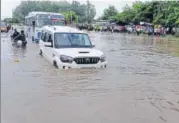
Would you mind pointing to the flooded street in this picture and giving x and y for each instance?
(139, 85)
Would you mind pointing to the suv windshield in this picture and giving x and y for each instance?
(72, 40)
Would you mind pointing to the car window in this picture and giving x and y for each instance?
(50, 38)
(42, 36)
(45, 37)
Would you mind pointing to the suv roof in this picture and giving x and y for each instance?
(64, 29)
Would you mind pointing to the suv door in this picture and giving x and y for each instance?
(48, 46)
(41, 42)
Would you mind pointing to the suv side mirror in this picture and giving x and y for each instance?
(48, 44)
(93, 46)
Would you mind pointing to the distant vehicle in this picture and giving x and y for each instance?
(67, 47)
(36, 20)
(3, 26)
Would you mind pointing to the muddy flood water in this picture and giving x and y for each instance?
(139, 85)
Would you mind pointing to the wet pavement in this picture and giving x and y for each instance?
(140, 84)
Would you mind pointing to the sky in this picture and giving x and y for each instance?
(8, 5)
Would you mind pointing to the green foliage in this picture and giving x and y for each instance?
(82, 11)
(165, 13)
(54, 6)
(11, 20)
(70, 16)
(109, 13)
(177, 22)
(27, 6)
(92, 12)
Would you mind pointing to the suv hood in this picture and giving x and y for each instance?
(79, 52)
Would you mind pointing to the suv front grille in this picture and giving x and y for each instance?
(87, 60)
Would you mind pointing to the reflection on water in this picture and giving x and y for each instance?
(171, 46)
(18, 51)
(142, 74)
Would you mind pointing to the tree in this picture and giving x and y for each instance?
(165, 13)
(79, 9)
(11, 20)
(27, 6)
(92, 12)
(70, 16)
(126, 16)
(110, 12)
(85, 12)
(56, 6)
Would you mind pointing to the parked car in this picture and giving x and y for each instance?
(67, 47)
(3, 26)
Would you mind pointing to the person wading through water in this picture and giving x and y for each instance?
(19, 36)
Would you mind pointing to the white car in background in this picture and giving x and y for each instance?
(67, 47)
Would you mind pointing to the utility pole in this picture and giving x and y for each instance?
(88, 8)
(71, 16)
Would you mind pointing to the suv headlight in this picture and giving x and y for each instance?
(66, 59)
(103, 58)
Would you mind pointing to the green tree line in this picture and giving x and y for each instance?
(78, 10)
(165, 13)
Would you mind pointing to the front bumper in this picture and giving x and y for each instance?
(79, 66)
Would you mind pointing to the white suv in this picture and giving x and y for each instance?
(67, 47)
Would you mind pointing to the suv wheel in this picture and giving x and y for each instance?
(41, 53)
(55, 64)
(33, 39)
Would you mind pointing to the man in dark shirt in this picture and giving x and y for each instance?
(23, 38)
(15, 34)
(19, 36)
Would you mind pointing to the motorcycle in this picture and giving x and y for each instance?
(17, 40)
